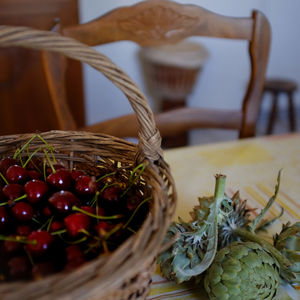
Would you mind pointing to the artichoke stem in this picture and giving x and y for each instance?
(249, 236)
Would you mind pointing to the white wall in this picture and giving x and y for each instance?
(225, 65)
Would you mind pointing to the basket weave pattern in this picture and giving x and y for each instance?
(125, 273)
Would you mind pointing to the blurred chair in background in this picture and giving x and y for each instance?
(276, 87)
(161, 22)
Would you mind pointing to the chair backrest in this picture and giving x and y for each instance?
(158, 22)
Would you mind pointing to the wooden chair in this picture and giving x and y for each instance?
(157, 22)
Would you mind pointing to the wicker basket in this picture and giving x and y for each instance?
(125, 273)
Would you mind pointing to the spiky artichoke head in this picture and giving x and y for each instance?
(242, 270)
(191, 237)
(288, 243)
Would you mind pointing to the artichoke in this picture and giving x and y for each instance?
(242, 270)
(185, 258)
(288, 243)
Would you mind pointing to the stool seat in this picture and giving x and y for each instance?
(280, 85)
(276, 86)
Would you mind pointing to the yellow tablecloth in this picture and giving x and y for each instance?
(251, 166)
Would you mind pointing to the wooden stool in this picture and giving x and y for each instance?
(276, 87)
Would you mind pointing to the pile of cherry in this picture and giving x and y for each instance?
(53, 218)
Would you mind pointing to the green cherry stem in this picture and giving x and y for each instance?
(58, 232)
(135, 211)
(15, 200)
(49, 161)
(18, 239)
(75, 208)
(3, 178)
(104, 176)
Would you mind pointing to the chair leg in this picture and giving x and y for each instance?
(272, 114)
(291, 112)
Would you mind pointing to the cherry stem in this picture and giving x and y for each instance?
(95, 199)
(47, 223)
(104, 176)
(132, 180)
(49, 161)
(30, 157)
(19, 151)
(15, 200)
(59, 232)
(75, 208)
(4, 179)
(135, 211)
(18, 239)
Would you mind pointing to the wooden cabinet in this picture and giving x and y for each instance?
(24, 97)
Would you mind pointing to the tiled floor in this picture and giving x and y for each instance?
(211, 135)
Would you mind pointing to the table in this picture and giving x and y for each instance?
(251, 166)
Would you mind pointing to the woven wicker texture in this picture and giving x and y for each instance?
(125, 273)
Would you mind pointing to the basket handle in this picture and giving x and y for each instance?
(149, 136)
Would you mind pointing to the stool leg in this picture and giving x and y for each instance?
(291, 112)
(272, 114)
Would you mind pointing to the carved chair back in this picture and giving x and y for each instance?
(158, 22)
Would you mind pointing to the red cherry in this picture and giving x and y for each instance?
(102, 228)
(3, 217)
(56, 225)
(61, 179)
(76, 222)
(74, 253)
(16, 174)
(56, 167)
(43, 241)
(90, 209)
(75, 257)
(111, 200)
(11, 247)
(76, 173)
(18, 267)
(5, 163)
(24, 230)
(86, 185)
(42, 269)
(23, 211)
(63, 201)
(47, 211)
(13, 191)
(34, 174)
(36, 190)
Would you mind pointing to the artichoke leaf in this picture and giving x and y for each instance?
(212, 233)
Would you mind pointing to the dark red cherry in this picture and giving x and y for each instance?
(18, 267)
(3, 218)
(43, 269)
(16, 174)
(2, 196)
(61, 179)
(46, 211)
(63, 201)
(102, 228)
(56, 225)
(42, 242)
(56, 167)
(76, 222)
(5, 163)
(24, 230)
(11, 247)
(76, 173)
(75, 257)
(34, 174)
(23, 211)
(34, 164)
(86, 185)
(111, 199)
(13, 191)
(36, 190)
(91, 210)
